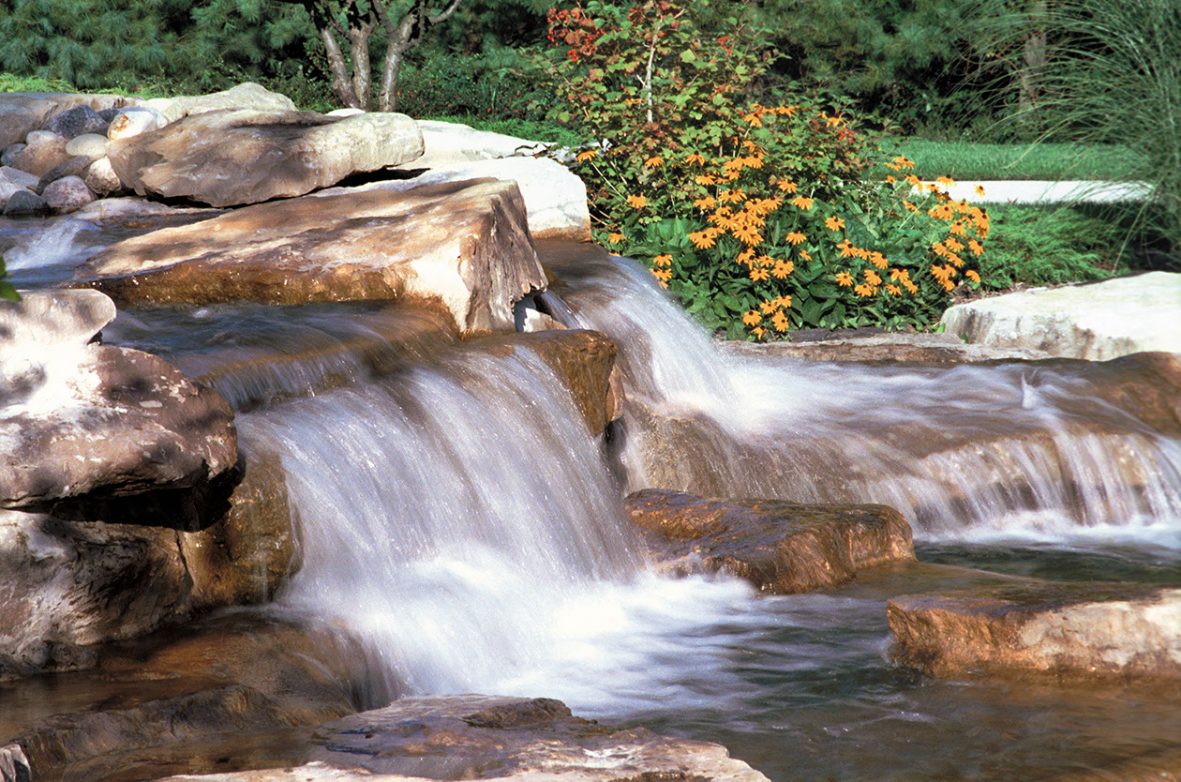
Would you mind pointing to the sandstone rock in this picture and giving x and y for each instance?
(482, 737)
(554, 197)
(76, 121)
(25, 203)
(248, 96)
(133, 121)
(12, 180)
(780, 547)
(14, 766)
(75, 166)
(101, 178)
(67, 194)
(464, 245)
(88, 145)
(45, 318)
(188, 699)
(1073, 630)
(1095, 321)
(227, 158)
(447, 143)
(583, 362)
(10, 152)
(853, 345)
(42, 153)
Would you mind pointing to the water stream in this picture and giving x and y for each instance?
(457, 515)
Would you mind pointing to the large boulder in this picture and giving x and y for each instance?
(448, 143)
(1073, 630)
(463, 245)
(230, 158)
(484, 737)
(778, 546)
(1096, 321)
(248, 96)
(75, 121)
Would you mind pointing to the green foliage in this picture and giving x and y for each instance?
(7, 292)
(758, 218)
(11, 82)
(534, 130)
(495, 82)
(1112, 75)
(1049, 245)
(1049, 161)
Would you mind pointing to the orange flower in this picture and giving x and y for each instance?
(664, 275)
(615, 238)
(704, 239)
(872, 277)
(769, 307)
(586, 155)
(972, 275)
(705, 179)
(656, 161)
(844, 279)
(890, 179)
(695, 159)
(834, 223)
(662, 260)
(976, 247)
(802, 202)
(980, 190)
(894, 289)
(795, 237)
(787, 186)
(637, 201)
(946, 181)
(758, 331)
(864, 291)
(758, 275)
(779, 321)
(878, 260)
(783, 301)
(782, 269)
(805, 255)
(751, 318)
(705, 204)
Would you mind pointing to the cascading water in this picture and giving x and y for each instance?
(975, 451)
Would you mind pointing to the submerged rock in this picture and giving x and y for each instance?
(1096, 321)
(779, 547)
(464, 245)
(483, 737)
(231, 158)
(1072, 630)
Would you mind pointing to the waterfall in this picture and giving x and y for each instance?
(965, 452)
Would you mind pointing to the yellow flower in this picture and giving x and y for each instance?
(805, 255)
(769, 307)
(890, 179)
(705, 179)
(705, 239)
(946, 181)
(586, 155)
(834, 223)
(731, 196)
(779, 321)
(865, 291)
(952, 244)
(754, 119)
(705, 204)
(615, 238)
(894, 289)
(980, 190)
(976, 247)
(844, 279)
(786, 185)
(802, 202)
(656, 161)
(847, 249)
(795, 237)
(758, 275)
(751, 318)
(958, 228)
(782, 269)
(695, 159)
(637, 201)
(662, 260)
(910, 207)
(783, 301)
(664, 275)
(878, 260)
(832, 122)
(872, 277)
(758, 331)
(902, 162)
(911, 179)
(972, 275)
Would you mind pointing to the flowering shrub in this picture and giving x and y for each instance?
(759, 218)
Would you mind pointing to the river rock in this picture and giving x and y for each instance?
(10, 152)
(779, 547)
(246, 96)
(75, 166)
(12, 180)
(101, 178)
(463, 245)
(201, 156)
(88, 145)
(14, 766)
(1095, 321)
(1072, 630)
(133, 121)
(67, 194)
(583, 362)
(22, 112)
(204, 697)
(76, 121)
(25, 203)
(42, 152)
(484, 737)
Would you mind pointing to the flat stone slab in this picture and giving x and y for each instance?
(1072, 630)
(1096, 321)
(236, 157)
(884, 347)
(493, 738)
(1035, 191)
(463, 245)
(780, 547)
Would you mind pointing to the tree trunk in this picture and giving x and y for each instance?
(341, 84)
(362, 75)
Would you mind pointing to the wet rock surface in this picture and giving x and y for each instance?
(483, 737)
(237, 157)
(873, 346)
(224, 693)
(464, 245)
(1124, 631)
(779, 547)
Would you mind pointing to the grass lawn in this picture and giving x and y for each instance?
(965, 160)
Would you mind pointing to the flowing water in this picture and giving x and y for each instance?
(457, 515)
